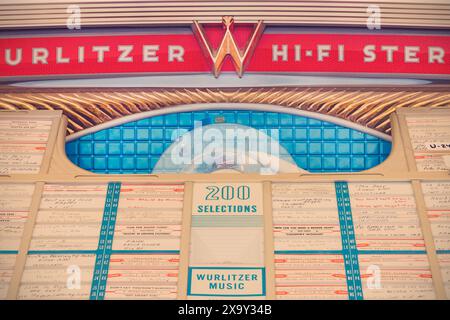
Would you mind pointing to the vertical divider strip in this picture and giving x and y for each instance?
(269, 248)
(185, 241)
(349, 250)
(406, 141)
(427, 234)
(105, 241)
(25, 241)
(51, 143)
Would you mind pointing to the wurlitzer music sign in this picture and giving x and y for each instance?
(226, 47)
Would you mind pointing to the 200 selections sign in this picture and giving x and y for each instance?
(227, 240)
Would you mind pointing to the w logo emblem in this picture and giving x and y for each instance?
(228, 46)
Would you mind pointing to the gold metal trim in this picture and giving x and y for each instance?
(228, 46)
(370, 107)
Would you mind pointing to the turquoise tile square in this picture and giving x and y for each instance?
(142, 148)
(186, 119)
(100, 148)
(357, 148)
(272, 119)
(343, 163)
(329, 163)
(143, 122)
(372, 148)
(372, 161)
(114, 134)
(171, 120)
(157, 134)
(286, 134)
(101, 135)
(329, 134)
(142, 163)
(314, 122)
(114, 163)
(128, 148)
(315, 148)
(329, 148)
(315, 134)
(286, 119)
(156, 148)
(358, 163)
(157, 121)
(343, 148)
(315, 163)
(99, 163)
(301, 134)
(114, 148)
(243, 118)
(357, 135)
(85, 163)
(142, 134)
(300, 121)
(343, 134)
(128, 163)
(257, 119)
(301, 148)
(128, 134)
(85, 147)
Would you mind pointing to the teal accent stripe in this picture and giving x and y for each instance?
(308, 252)
(9, 252)
(443, 251)
(145, 251)
(349, 250)
(62, 252)
(227, 221)
(392, 252)
(105, 241)
(93, 251)
(375, 252)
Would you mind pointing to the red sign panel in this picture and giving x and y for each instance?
(180, 53)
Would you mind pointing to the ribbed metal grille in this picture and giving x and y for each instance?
(367, 106)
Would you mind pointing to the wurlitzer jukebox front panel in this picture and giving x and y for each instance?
(224, 150)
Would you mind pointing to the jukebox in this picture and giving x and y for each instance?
(224, 149)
